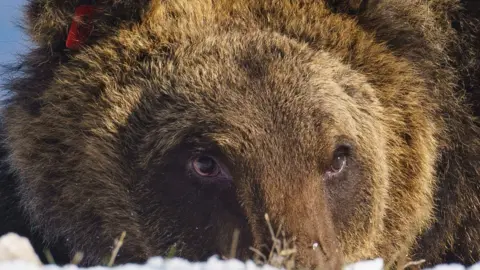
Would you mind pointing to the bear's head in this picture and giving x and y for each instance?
(197, 119)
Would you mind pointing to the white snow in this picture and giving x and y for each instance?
(158, 263)
(213, 263)
(16, 253)
(13, 246)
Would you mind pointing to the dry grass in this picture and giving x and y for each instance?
(118, 244)
(78, 257)
(404, 263)
(414, 265)
(282, 252)
(49, 257)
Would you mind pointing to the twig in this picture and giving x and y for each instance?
(259, 253)
(118, 245)
(77, 258)
(49, 256)
(234, 246)
(414, 263)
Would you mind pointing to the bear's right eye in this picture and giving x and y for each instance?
(209, 170)
(206, 166)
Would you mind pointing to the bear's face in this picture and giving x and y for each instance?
(244, 125)
(181, 121)
(181, 144)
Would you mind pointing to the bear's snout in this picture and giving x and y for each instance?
(317, 244)
(302, 213)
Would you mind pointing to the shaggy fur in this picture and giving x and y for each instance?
(98, 141)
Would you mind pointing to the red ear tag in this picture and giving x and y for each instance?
(81, 26)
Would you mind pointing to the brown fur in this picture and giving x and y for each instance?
(98, 138)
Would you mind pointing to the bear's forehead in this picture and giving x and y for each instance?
(259, 72)
(265, 86)
(263, 83)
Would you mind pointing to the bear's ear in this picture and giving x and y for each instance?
(348, 6)
(67, 24)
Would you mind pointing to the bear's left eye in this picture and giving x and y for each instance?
(339, 161)
(205, 166)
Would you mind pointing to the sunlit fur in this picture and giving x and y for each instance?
(272, 84)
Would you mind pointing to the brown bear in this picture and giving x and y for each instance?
(352, 124)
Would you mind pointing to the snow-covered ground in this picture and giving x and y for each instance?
(212, 264)
(16, 253)
(176, 264)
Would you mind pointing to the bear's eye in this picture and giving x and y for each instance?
(340, 157)
(205, 166)
(338, 163)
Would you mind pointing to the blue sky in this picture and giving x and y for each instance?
(12, 40)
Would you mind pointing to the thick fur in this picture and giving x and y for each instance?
(96, 140)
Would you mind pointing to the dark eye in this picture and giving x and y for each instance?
(339, 159)
(338, 163)
(205, 166)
